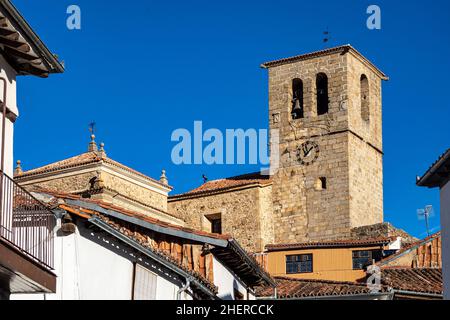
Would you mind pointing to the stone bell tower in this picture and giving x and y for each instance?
(326, 107)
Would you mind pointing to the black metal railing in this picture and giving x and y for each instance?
(25, 222)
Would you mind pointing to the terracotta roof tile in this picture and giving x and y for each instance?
(289, 288)
(81, 160)
(143, 240)
(438, 172)
(340, 49)
(409, 247)
(226, 184)
(331, 244)
(131, 213)
(413, 280)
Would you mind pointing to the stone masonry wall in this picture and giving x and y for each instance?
(302, 211)
(365, 148)
(70, 184)
(240, 211)
(136, 192)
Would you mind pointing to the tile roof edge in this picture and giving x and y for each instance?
(346, 48)
(423, 181)
(218, 191)
(325, 244)
(408, 249)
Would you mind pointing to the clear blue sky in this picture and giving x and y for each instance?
(141, 69)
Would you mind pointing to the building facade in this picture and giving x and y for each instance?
(105, 252)
(438, 176)
(345, 260)
(326, 108)
(26, 259)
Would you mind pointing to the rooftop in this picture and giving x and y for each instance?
(409, 248)
(227, 184)
(93, 156)
(144, 229)
(22, 47)
(332, 244)
(438, 174)
(289, 288)
(340, 49)
(425, 280)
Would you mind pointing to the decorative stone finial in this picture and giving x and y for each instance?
(18, 170)
(102, 150)
(163, 178)
(93, 145)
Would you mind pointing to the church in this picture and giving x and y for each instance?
(326, 107)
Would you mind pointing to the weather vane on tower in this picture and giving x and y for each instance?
(327, 36)
(92, 127)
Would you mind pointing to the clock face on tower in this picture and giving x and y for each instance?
(308, 153)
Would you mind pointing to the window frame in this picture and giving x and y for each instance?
(370, 259)
(299, 263)
(135, 287)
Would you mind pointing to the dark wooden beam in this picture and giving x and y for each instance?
(9, 33)
(16, 44)
(20, 54)
(3, 22)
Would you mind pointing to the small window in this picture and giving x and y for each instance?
(322, 94)
(321, 184)
(365, 258)
(144, 287)
(297, 99)
(302, 263)
(216, 226)
(216, 223)
(362, 259)
(365, 101)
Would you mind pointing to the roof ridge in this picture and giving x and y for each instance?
(320, 281)
(409, 247)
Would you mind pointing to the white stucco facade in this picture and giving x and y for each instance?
(445, 224)
(92, 266)
(9, 74)
(227, 283)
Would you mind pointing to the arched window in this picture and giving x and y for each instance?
(322, 94)
(365, 101)
(297, 99)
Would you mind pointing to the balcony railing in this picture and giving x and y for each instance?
(26, 223)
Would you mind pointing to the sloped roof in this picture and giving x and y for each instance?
(22, 47)
(340, 49)
(438, 173)
(224, 247)
(428, 281)
(331, 244)
(82, 205)
(79, 161)
(408, 248)
(289, 288)
(226, 184)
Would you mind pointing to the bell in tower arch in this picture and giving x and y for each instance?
(297, 111)
(297, 100)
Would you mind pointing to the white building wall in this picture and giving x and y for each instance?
(91, 267)
(9, 74)
(445, 224)
(227, 282)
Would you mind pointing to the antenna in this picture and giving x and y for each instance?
(426, 214)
